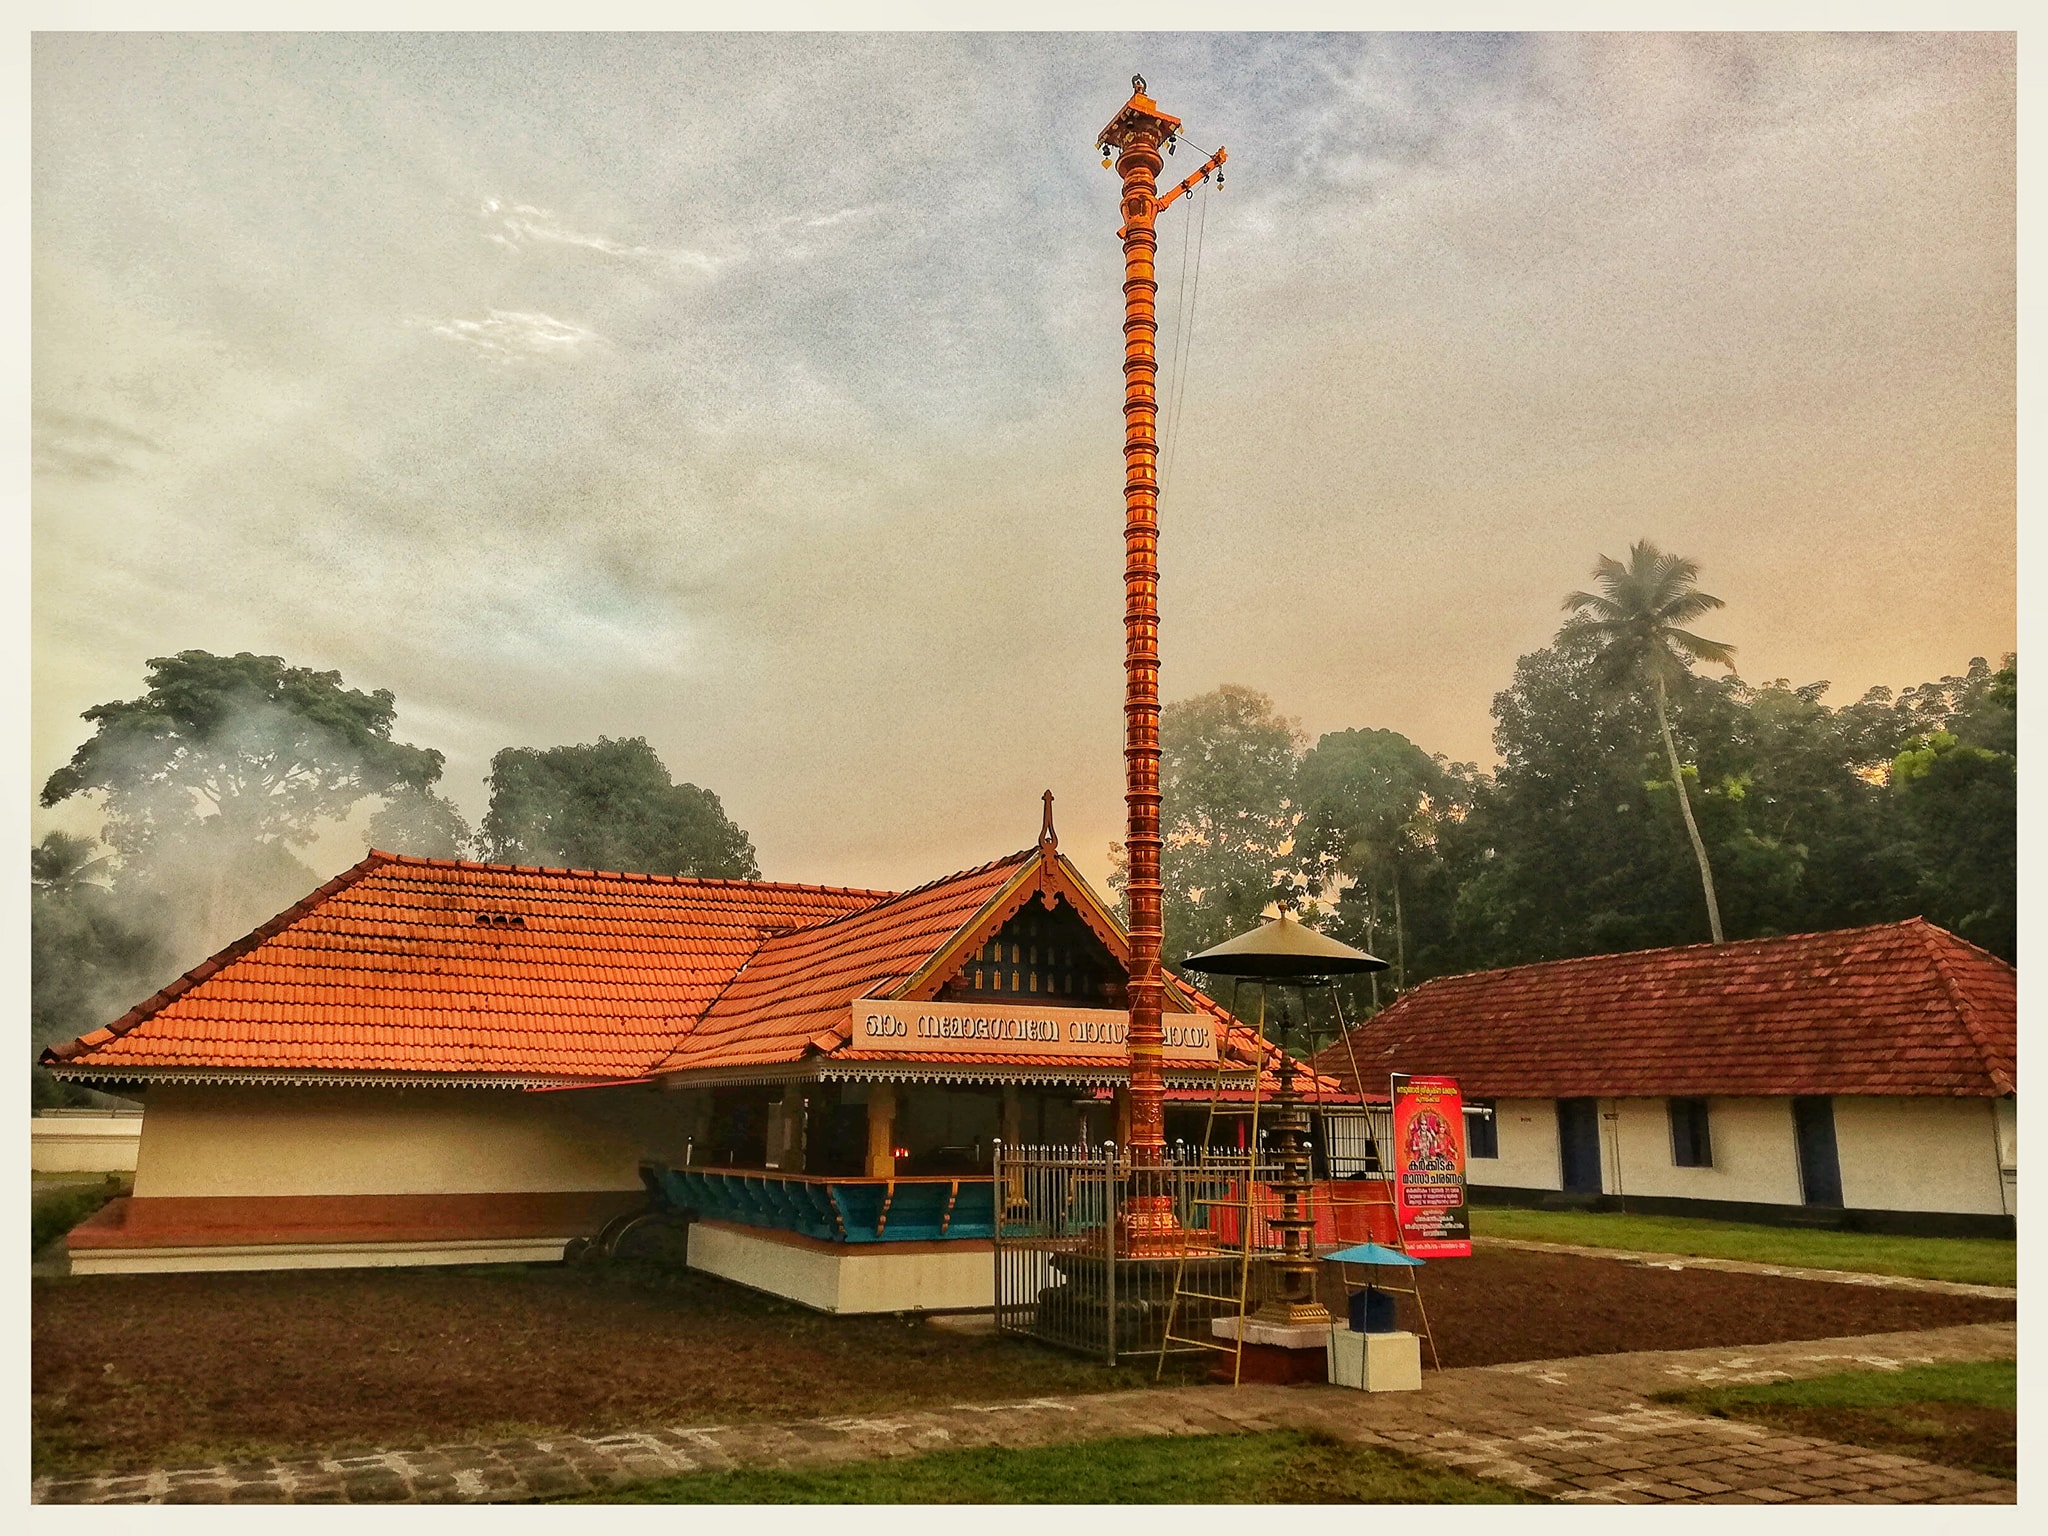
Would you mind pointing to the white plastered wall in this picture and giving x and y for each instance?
(1756, 1159)
(1527, 1132)
(220, 1141)
(1919, 1154)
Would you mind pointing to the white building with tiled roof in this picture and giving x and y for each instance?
(1865, 1076)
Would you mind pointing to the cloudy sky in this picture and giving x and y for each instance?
(761, 395)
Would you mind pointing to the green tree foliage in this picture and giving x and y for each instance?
(1957, 791)
(88, 959)
(421, 823)
(206, 783)
(1375, 809)
(1632, 626)
(268, 750)
(609, 806)
(222, 767)
(1227, 815)
(1812, 815)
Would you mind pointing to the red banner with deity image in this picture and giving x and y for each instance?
(1429, 1167)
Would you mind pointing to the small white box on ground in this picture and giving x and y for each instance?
(1376, 1362)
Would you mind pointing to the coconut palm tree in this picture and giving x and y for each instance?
(1633, 625)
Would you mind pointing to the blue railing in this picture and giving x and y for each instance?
(835, 1210)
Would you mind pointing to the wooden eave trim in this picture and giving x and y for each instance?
(315, 1077)
(938, 969)
(1035, 877)
(824, 1070)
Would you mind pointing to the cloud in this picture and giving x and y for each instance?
(1472, 310)
(86, 447)
(520, 224)
(826, 221)
(507, 335)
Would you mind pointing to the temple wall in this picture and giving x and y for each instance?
(218, 1140)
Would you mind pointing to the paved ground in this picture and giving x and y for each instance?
(1745, 1267)
(1578, 1429)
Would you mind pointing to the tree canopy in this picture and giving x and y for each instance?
(1375, 807)
(1227, 815)
(609, 805)
(421, 823)
(1631, 628)
(1815, 817)
(268, 749)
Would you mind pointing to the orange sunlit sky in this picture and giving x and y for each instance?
(761, 394)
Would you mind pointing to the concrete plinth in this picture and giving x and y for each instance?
(950, 1275)
(1376, 1362)
(1299, 1336)
(1283, 1356)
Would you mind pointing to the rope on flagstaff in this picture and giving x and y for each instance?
(1184, 324)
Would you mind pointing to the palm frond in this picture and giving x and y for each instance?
(1699, 648)
(1582, 602)
(1684, 607)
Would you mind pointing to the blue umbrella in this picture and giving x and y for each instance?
(1370, 1253)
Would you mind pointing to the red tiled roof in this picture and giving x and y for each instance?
(1898, 1009)
(796, 987)
(386, 968)
(514, 974)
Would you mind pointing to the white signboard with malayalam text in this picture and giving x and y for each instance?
(1003, 1031)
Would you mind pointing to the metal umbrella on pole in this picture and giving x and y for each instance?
(1287, 952)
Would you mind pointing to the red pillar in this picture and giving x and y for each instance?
(1136, 133)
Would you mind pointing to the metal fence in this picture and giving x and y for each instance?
(1059, 1277)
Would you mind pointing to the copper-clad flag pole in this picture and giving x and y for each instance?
(1135, 136)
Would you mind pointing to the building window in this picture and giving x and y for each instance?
(1691, 1145)
(1482, 1134)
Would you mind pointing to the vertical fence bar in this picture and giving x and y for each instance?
(1111, 1187)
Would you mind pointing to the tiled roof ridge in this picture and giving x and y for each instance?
(221, 959)
(1937, 939)
(634, 876)
(1610, 956)
(687, 1027)
(890, 898)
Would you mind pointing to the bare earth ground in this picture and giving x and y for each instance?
(1505, 1305)
(152, 1369)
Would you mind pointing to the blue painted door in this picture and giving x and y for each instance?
(1578, 1145)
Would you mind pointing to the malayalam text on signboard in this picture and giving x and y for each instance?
(1004, 1030)
(1429, 1167)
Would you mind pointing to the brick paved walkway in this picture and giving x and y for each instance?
(1579, 1429)
(1749, 1267)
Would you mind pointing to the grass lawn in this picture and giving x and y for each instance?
(1282, 1467)
(1977, 1260)
(64, 1203)
(1958, 1415)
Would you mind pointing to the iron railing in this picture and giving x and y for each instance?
(1060, 1279)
